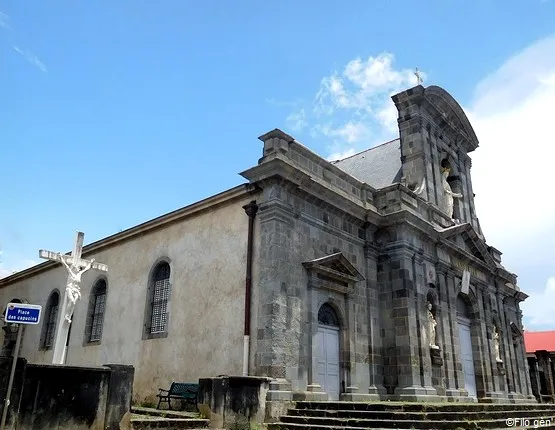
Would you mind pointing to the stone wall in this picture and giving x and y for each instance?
(233, 401)
(73, 398)
(15, 397)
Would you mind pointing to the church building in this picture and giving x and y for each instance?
(361, 279)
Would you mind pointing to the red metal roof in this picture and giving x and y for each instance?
(539, 341)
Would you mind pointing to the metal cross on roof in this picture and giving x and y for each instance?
(419, 79)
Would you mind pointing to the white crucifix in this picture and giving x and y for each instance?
(75, 266)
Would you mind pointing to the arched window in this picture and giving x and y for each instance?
(158, 296)
(95, 317)
(327, 316)
(49, 322)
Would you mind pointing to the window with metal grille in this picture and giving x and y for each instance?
(49, 327)
(97, 307)
(160, 295)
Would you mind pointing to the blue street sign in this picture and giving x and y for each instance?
(22, 313)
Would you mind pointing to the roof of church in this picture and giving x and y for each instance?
(539, 341)
(379, 166)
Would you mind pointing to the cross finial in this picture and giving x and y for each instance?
(419, 79)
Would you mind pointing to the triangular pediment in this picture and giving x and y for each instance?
(465, 237)
(336, 266)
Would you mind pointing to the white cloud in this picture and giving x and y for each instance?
(513, 181)
(297, 121)
(334, 156)
(387, 118)
(31, 58)
(512, 114)
(353, 108)
(4, 20)
(351, 132)
(539, 307)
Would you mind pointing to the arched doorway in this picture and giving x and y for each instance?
(465, 340)
(327, 370)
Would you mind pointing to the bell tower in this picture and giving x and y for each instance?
(436, 138)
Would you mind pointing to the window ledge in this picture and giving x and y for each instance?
(160, 335)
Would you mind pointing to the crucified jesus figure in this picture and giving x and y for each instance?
(73, 285)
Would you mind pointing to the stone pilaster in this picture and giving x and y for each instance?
(447, 338)
(279, 333)
(420, 301)
(492, 369)
(505, 344)
(477, 333)
(409, 358)
(374, 357)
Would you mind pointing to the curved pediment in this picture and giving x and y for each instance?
(452, 113)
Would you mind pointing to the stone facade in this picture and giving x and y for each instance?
(378, 256)
(346, 258)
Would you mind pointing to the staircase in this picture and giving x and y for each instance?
(149, 418)
(399, 415)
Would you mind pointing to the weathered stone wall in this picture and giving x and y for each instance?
(64, 397)
(15, 395)
(414, 269)
(233, 401)
(294, 229)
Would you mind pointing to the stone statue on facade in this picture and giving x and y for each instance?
(496, 345)
(420, 190)
(432, 323)
(73, 285)
(449, 194)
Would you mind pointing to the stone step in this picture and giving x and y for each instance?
(441, 415)
(165, 413)
(395, 424)
(460, 426)
(422, 407)
(389, 423)
(148, 422)
(402, 415)
(150, 418)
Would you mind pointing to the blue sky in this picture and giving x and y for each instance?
(114, 112)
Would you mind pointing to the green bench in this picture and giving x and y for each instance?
(183, 391)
